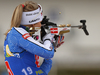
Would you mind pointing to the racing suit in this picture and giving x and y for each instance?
(22, 53)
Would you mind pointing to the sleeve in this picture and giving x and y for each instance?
(46, 66)
(25, 41)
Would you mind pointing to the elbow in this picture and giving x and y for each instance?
(51, 55)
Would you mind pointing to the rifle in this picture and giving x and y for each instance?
(61, 29)
(50, 27)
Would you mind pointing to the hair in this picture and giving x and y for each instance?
(17, 14)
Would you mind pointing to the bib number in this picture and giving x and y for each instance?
(28, 69)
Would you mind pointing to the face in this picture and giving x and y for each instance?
(33, 26)
(37, 24)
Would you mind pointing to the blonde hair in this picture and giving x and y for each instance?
(17, 14)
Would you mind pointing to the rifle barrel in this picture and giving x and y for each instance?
(80, 26)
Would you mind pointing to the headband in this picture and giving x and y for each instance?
(32, 17)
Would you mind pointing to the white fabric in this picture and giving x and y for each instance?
(47, 43)
(48, 36)
(32, 17)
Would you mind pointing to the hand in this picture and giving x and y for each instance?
(49, 37)
(59, 40)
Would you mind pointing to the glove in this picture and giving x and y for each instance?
(59, 41)
(49, 37)
(49, 43)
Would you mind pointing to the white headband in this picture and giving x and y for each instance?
(32, 17)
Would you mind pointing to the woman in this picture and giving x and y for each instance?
(21, 51)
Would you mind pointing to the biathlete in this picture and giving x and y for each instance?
(21, 50)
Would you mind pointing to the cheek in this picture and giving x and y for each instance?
(37, 25)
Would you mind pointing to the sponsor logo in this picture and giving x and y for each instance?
(26, 35)
(34, 20)
(54, 30)
(37, 61)
(35, 13)
(39, 72)
(32, 14)
(28, 14)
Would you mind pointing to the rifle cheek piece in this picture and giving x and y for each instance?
(62, 32)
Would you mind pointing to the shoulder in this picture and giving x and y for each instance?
(20, 30)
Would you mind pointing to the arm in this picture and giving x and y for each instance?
(31, 45)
